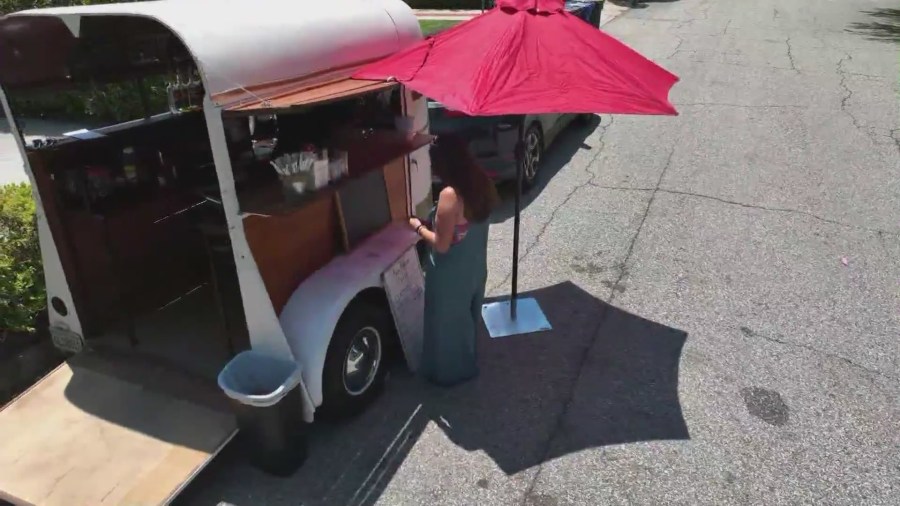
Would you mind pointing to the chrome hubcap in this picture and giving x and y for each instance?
(362, 361)
(532, 154)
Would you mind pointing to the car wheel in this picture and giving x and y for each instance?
(355, 367)
(585, 118)
(532, 156)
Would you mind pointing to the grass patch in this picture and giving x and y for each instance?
(433, 26)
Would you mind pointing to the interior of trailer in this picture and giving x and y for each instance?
(138, 211)
(143, 251)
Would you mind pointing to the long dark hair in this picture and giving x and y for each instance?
(452, 162)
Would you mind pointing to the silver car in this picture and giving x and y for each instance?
(493, 139)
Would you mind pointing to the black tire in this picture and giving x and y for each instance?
(585, 119)
(533, 155)
(596, 14)
(363, 319)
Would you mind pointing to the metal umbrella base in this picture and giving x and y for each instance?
(502, 320)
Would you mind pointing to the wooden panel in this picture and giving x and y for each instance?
(309, 95)
(82, 436)
(155, 261)
(289, 247)
(395, 181)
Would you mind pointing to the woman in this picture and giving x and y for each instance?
(456, 263)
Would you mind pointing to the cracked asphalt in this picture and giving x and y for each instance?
(724, 288)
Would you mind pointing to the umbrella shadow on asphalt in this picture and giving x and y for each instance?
(601, 377)
(560, 152)
(884, 27)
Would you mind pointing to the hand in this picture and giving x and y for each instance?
(415, 223)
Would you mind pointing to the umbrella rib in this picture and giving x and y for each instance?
(424, 59)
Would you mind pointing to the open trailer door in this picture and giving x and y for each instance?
(102, 431)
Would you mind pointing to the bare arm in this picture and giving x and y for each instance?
(448, 211)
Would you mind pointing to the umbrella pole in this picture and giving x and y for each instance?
(514, 317)
(520, 160)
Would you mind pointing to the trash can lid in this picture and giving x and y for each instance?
(259, 379)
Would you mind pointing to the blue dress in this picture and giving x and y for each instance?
(454, 293)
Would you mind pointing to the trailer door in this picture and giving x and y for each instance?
(100, 431)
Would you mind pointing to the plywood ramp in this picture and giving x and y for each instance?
(85, 435)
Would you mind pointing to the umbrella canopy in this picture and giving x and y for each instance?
(529, 57)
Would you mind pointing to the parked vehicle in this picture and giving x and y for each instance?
(493, 139)
(174, 241)
(588, 10)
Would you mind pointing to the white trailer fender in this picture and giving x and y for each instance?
(313, 310)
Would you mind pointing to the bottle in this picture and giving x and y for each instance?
(177, 94)
(195, 89)
(170, 94)
(129, 165)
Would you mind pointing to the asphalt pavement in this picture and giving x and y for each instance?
(12, 168)
(724, 288)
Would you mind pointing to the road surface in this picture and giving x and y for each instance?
(12, 169)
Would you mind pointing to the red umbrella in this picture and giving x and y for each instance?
(529, 57)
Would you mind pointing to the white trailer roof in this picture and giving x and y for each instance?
(246, 44)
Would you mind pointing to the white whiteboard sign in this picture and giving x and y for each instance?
(405, 287)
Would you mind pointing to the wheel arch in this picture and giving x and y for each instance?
(309, 324)
(312, 312)
(309, 330)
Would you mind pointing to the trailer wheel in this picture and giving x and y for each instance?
(355, 365)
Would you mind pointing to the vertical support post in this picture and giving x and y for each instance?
(520, 161)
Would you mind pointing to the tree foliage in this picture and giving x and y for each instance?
(107, 103)
(22, 294)
(8, 6)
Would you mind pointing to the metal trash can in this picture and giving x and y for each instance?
(269, 410)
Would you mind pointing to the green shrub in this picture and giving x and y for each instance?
(22, 294)
(104, 103)
(435, 26)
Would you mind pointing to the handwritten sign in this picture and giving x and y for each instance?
(405, 287)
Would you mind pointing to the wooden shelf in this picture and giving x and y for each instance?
(365, 153)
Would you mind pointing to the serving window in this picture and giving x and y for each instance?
(337, 174)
